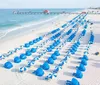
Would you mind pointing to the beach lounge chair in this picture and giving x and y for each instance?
(63, 26)
(71, 37)
(69, 31)
(83, 32)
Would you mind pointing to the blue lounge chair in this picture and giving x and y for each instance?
(22, 69)
(63, 26)
(83, 32)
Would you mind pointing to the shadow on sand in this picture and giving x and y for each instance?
(61, 82)
(97, 65)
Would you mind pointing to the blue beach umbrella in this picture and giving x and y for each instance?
(31, 43)
(17, 60)
(33, 50)
(78, 42)
(55, 44)
(57, 53)
(28, 53)
(22, 56)
(53, 56)
(84, 62)
(82, 23)
(81, 67)
(50, 61)
(49, 49)
(78, 74)
(36, 40)
(39, 72)
(52, 46)
(85, 57)
(45, 66)
(40, 37)
(52, 38)
(75, 82)
(26, 45)
(72, 82)
(8, 65)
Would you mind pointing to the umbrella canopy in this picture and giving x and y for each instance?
(39, 72)
(17, 60)
(50, 61)
(22, 56)
(45, 66)
(8, 65)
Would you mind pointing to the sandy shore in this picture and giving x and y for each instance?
(91, 75)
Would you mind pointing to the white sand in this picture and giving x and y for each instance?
(91, 75)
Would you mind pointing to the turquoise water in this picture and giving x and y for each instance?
(9, 19)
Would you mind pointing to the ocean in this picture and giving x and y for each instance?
(14, 19)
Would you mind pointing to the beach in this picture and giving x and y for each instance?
(91, 75)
